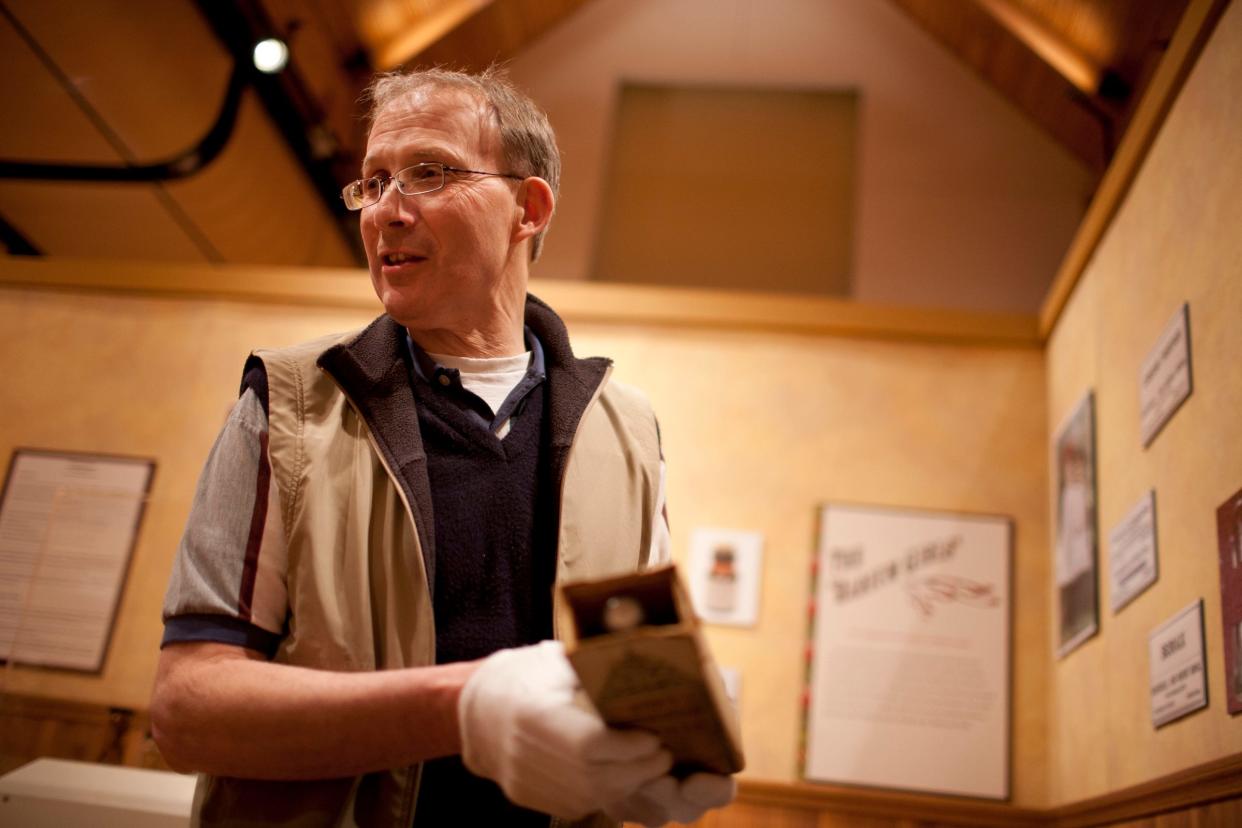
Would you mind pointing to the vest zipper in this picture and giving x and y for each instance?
(416, 771)
(560, 495)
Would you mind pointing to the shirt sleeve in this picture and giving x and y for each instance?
(228, 582)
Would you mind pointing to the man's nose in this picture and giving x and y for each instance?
(393, 209)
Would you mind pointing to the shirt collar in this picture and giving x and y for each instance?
(439, 376)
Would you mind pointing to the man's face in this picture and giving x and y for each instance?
(441, 261)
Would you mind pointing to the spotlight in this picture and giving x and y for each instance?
(271, 55)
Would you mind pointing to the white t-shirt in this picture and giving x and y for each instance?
(490, 378)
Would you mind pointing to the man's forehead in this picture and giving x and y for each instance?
(459, 113)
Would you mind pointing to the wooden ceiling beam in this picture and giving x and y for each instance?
(1007, 62)
(1046, 43)
(406, 34)
(495, 33)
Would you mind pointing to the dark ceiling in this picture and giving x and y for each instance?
(105, 87)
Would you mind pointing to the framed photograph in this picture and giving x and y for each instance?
(909, 663)
(68, 525)
(1077, 598)
(724, 573)
(1229, 543)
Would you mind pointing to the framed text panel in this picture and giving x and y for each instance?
(68, 524)
(910, 658)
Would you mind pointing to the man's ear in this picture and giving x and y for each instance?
(535, 203)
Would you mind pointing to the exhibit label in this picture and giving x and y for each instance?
(1165, 379)
(909, 675)
(1132, 553)
(1178, 669)
(67, 529)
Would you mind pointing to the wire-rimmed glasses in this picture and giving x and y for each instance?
(419, 179)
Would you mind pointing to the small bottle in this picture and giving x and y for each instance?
(623, 613)
(722, 581)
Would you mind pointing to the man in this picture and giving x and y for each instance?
(357, 623)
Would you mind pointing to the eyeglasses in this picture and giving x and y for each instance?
(416, 180)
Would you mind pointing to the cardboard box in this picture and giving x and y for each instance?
(644, 664)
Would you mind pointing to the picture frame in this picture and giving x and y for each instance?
(909, 659)
(1075, 533)
(1229, 547)
(724, 574)
(69, 524)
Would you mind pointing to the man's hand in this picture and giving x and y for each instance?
(521, 728)
(669, 800)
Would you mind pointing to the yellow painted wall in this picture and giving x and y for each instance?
(1177, 238)
(760, 427)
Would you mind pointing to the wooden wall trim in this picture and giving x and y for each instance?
(1201, 785)
(575, 301)
(885, 804)
(1196, 26)
(33, 726)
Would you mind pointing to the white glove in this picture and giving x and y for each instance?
(521, 728)
(669, 800)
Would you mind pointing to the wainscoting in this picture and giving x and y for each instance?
(1207, 796)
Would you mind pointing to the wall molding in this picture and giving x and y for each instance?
(885, 804)
(1193, 787)
(576, 301)
(1199, 786)
(35, 726)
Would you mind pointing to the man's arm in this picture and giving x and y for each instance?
(226, 710)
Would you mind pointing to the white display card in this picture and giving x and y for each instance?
(1178, 669)
(67, 527)
(1165, 378)
(724, 574)
(909, 679)
(1132, 565)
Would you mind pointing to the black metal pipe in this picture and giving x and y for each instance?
(182, 165)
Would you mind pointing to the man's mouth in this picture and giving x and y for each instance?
(394, 259)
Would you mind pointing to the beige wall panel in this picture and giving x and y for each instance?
(759, 430)
(132, 376)
(961, 201)
(1175, 240)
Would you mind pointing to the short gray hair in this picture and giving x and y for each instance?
(526, 138)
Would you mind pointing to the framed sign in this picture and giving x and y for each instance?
(1132, 565)
(1229, 543)
(68, 523)
(909, 677)
(1178, 667)
(1165, 379)
(1077, 587)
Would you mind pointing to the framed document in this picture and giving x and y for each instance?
(68, 523)
(1229, 543)
(909, 663)
(1077, 598)
(1132, 566)
(1178, 668)
(1165, 379)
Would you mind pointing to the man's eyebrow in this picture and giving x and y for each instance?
(409, 158)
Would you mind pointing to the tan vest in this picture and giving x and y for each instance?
(358, 592)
